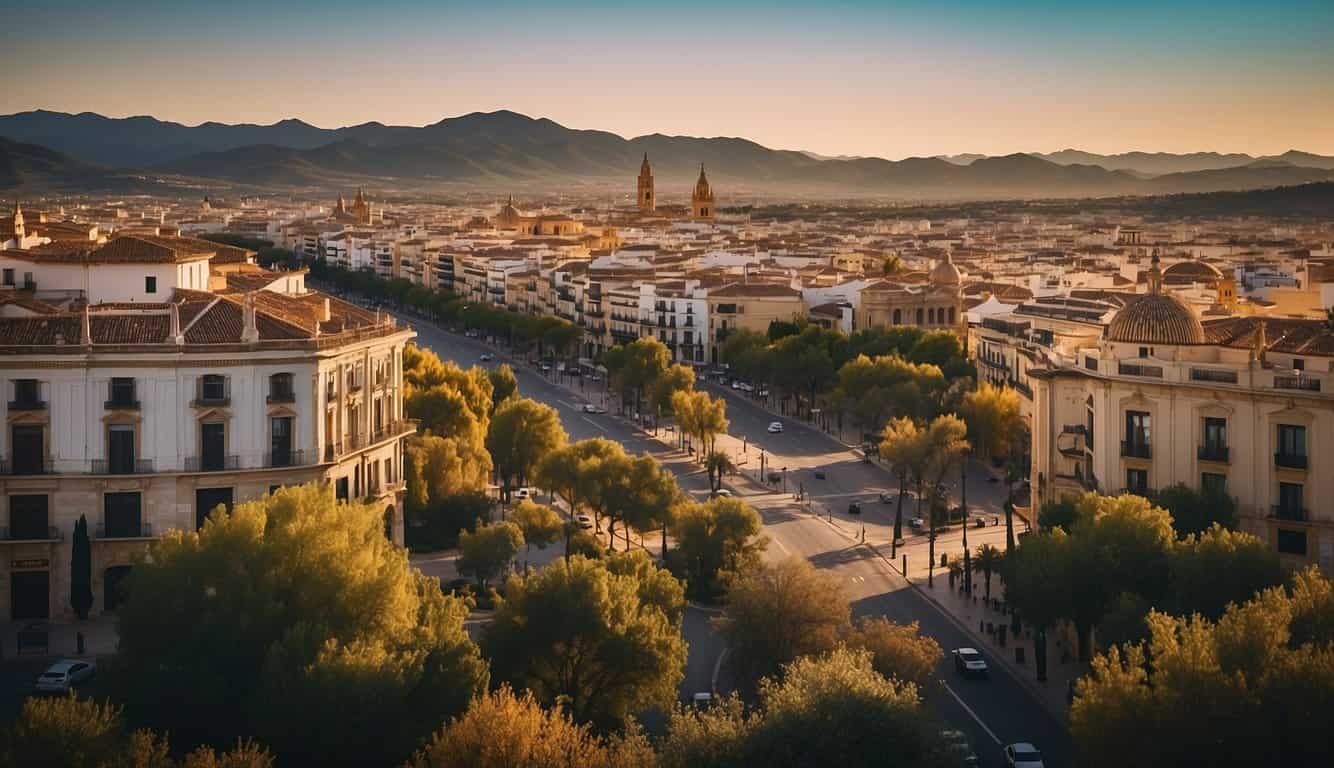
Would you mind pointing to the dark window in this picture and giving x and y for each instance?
(1292, 542)
(209, 499)
(212, 445)
(122, 394)
(340, 489)
(9, 276)
(122, 516)
(280, 441)
(29, 595)
(28, 516)
(1137, 481)
(1290, 502)
(27, 392)
(280, 388)
(1291, 440)
(1213, 484)
(898, 317)
(919, 316)
(120, 449)
(28, 448)
(213, 389)
(1139, 434)
(150, 285)
(1143, 351)
(1298, 364)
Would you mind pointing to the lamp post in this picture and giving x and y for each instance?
(963, 504)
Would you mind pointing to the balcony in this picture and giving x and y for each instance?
(1290, 513)
(289, 458)
(1136, 369)
(26, 466)
(1213, 375)
(1290, 460)
(1303, 383)
(288, 396)
(354, 384)
(49, 533)
(142, 530)
(393, 429)
(333, 450)
(121, 404)
(27, 404)
(120, 467)
(228, 463)
(594, 313)
(1209, 452)
(1136, 449)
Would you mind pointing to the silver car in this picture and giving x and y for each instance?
(61, 676)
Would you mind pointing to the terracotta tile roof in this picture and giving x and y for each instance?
(757, 290)
(129, 329)
(1290, 335)
(125, 249)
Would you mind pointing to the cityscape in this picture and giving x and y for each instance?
(364, 415)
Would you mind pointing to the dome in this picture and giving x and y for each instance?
(945, 273)
(1192, 272)
(1156, 318)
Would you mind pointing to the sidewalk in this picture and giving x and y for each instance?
(99, 637)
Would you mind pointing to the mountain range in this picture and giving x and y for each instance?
(497, 149)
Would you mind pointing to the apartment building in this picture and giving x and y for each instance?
(145, 388)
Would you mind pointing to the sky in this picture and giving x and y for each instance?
(890, 79)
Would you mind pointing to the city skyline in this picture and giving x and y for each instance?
(891, 82)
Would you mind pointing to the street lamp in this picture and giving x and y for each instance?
(784, 479)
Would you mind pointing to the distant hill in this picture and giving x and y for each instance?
(503, 148)
(32, 165)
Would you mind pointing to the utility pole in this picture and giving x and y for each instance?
(963, 503)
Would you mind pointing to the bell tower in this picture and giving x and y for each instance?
(701, 198)
(645, 193)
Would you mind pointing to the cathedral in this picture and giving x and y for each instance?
(701, 197)
(360, 212)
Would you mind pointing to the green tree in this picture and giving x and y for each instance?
(1246, 690)
(995, 428)
(502, 730)
(1195, 511)
(440, 467)
(898, 651)
(1219, 567)
(323, 642)
(986, 562)
(677, 378)
(504, 385)
(718, 464)
(81, 570)
(904, 446)
(1039, 585)
(779, 612)
(582, 634)
(488, 551)
(722, 535)
(522, 433)
(632, 368)
(1057, 514)
(702, 417)
(938, 348)
(539, 524)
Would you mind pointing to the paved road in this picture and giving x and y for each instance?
(993, 712)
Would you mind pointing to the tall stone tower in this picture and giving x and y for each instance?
(645, 196)
(19, 230)
(361, 209)
(701, 199)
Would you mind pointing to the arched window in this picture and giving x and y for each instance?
(898, 317)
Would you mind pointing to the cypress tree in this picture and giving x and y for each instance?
(81, 570)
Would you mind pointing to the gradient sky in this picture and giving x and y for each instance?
(892, 79)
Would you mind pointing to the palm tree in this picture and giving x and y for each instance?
(956, 571)
(987, 561)
(718, 463)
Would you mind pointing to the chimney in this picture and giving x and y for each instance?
(249, 331)
(85, 328)
(177, 337)
(327, 313)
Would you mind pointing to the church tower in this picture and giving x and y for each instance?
(701, 199)
(19, 230)
(646, 202)
(341, 206)
(361, 209)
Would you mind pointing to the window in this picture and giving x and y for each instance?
(1291, 446)
(1143, 351)
(1298, 364)
(1138, 435)
(280, 441)
(27, 445)
(1137, 481)
(122, 517)
(919, 316)
(280, 388)
(150, 284)
(340, 489)
(120, 449)
(1215, 439)
(28, 517)
(27, 393)
(1213, 484)
(121, 394)
(213, 389)
(212, 446)
(9, 276)
(209, 499)
(1291, 542)
(1290, 502)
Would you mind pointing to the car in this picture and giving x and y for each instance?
(854, 508)
(969, 662)
(917, 523)
(546, 367)
(886, 497)
(747, 387)
(472, 333)
(64, 674)
(736, 385)
(721, 493)
(560, 367)
(956, 745)
(591, 408)
(702, 700)
(486, 357)
(1022, 755)
(979, 522)
(775, 427)
(522, 494)
(595, 377)
(763, 392)
(583, 521)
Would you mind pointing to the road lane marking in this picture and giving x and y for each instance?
(780, 545)
(970, 712)
(596, 425)
(717, 665)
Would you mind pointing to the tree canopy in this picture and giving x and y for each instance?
(721, 535)
(521, 434)
(487, 552)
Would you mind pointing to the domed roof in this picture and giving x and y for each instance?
(1192, 271)
(945, 273)
(1156, 318)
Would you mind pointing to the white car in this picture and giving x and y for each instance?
(721, 493)
(486, 357)
(59, 677)
(775, 426)
(522, 494)
(969, 662)
(591, 408)
(584, 521)
(917, 523)
(1022, 755)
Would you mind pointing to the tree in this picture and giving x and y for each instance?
(946, 446)
(504, 385)
(1248, 689)
(322, 640)
(898, 651)
(487, 552)
(1057, 514)
(1196, 511)
(539, 524)
(939, 348)
(502, 730)
(904, 447)
(872, 388)
(440, 467)
(994, 427)
(700, 416)
(569, 471)
(81, 570)
(78, 733)
(583, 634)
(1218, 567)
(719, 536)
(677, 378)
(635, 366)
(718, 465)
(1038, 584)
(986, 562)
(779, 612)
(522, 433)
(437, 526)
(831, 710)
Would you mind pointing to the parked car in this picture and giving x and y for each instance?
(472, 333)
(486, 357)
(546, 367)
(702, 700)
(775, 427)
(763, 392)
(591, 408)
(917, 523)
(956, 744)
(64, 674)
(969, 662)
(595, 377)
(736, 385)
(583, 521)
(854, 508)
(886, 497)
(1022, 755)
(521, 494)
(979, 522)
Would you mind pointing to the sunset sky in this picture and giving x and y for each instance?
(892, 79)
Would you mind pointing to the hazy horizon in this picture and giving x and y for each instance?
(888, 80)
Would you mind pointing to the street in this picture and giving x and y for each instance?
(992, 712)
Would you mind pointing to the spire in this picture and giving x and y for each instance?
(1155, 274)
(85, 328)
(249, 328)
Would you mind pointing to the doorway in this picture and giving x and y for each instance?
(30, 595)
